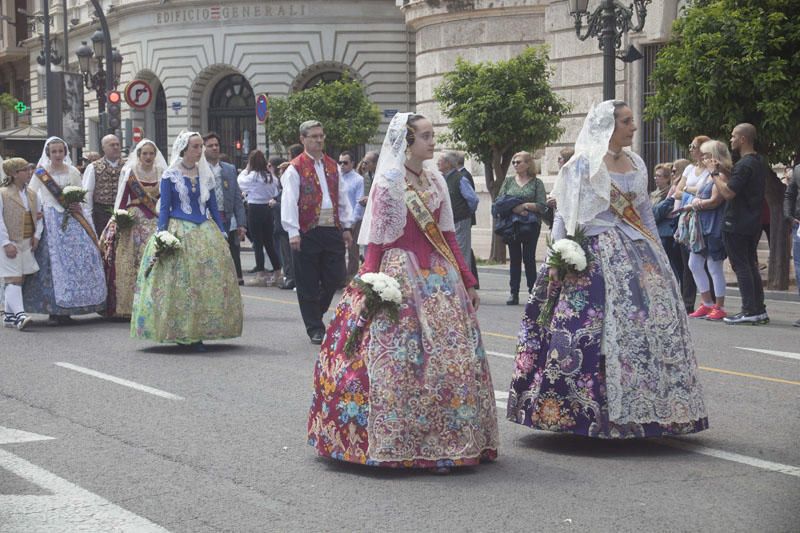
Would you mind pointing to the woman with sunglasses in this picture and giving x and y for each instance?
(694, 173)
(522, 248)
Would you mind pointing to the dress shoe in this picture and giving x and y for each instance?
(513, 300)
(317, 336)
(286, 284)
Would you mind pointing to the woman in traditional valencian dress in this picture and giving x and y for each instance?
(415, 392)
(616, 360)
(70, 280)
(123, 247)
(191, 294)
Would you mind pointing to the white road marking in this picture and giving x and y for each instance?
(15, 436)
(735, 457)
(788, 355)
(120, 381)
(499, 354)
(67, 508)
(703, 450)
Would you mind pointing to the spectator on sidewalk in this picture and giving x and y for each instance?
(529, 189)
(791, 211)
(708, 261)
(663, 204)
(687, 188)
(354, 189)
(744, 192)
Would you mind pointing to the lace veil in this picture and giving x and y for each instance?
(132, 165)
(583, 186)
(175, 174)
(44, 161)
(386, 213)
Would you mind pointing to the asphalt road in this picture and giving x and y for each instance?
(218, 443)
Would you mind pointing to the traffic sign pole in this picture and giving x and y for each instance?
(262, 115)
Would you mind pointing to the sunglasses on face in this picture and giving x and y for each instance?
(344, 162)
(692, 147)
(517, 162)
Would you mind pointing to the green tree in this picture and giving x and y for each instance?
(499, 108)
(733, 61)
(344, 110)
(8, 102)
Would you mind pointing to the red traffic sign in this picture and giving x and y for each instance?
(138, 134)
(138, 94)
(262, 108)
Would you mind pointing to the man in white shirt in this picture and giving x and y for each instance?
(316, 214)
(354, 189)
(100, 181)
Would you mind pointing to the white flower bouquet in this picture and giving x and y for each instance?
(71, 194)
(381, 293)
(122, 218)
(166, 243)
(568, 256)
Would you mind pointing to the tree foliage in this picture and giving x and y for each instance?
(344, 110)
(8, 102)
(499, 108)
(732, 61)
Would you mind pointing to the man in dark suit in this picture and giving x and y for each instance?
(473, 264)
(229, 199)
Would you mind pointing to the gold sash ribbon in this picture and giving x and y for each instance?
(56, 191)
(424, 219)
(142, 196)
(624, 209)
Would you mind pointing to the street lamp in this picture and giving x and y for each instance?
(90, 61)
(609, 22)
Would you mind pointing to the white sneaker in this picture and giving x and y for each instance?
(23, 321)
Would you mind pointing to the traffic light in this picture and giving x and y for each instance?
(238, 145)
(114, 110)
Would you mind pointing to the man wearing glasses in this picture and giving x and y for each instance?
(316, 214)
(354, 190)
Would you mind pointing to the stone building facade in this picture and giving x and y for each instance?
(399, 50)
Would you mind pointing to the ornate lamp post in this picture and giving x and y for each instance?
(609, 22)
(95, 67)
(95, 77)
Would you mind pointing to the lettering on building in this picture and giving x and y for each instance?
(220, 13)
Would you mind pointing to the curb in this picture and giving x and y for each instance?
(784, 296)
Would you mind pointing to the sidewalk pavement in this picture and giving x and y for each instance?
(482, 241)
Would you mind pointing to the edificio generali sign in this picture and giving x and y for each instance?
(229, 12)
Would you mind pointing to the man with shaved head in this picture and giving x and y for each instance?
(100, 181)
(744, 193)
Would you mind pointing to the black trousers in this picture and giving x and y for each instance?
(743, 255)
(319, 270)
(235, 246)
(261, 225)
(673, 250)
(520, 252)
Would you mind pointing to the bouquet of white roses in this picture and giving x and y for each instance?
(568, 256)
(381, 292)
(166, 243)
(122, 218)
(71, 194)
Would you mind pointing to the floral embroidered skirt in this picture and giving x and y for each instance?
(616, 360)
(415, 393)
(191, 294)
(122, 255)
(70, 280)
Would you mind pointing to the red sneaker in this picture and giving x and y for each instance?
(701, 311)
(717, 313)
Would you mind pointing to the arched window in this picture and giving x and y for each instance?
(323, 77)
(231, 114)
